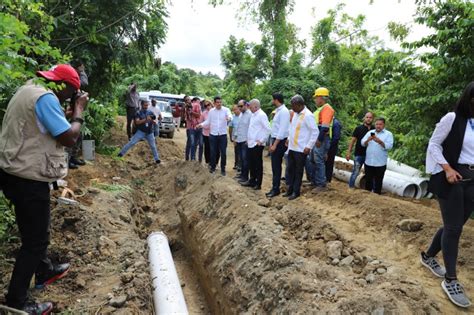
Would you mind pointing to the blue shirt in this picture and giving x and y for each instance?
(336, 131)
(50, 116)
(377, 155)
(234, 123)
(146, 127)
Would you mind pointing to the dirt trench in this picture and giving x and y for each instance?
(237, 252)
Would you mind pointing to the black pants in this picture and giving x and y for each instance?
(237, 162)
(455, 211)
(256, 164)
(31, 201)
(330, 160)
(131, 112)
(207, 149)
(244, 159)
(374, 178)
(277, 159)
(218, 149)
(296, 162)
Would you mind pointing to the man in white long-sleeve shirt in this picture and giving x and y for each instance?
(242, 132)
(302, 137)
(259, 129)
(217, 120)
(279, 134)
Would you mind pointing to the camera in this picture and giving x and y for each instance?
(75, 96)
(153, 117)
(372, 134)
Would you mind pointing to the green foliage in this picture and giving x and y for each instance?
(7, 220)
(99, 119)
(25, 31)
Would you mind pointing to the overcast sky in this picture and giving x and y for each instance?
(197, 31)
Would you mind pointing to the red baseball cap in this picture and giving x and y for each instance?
(64, 73)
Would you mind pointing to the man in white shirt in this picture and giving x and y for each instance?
(241, 139)
(259, 129)
(156, 111)
(279, 134)
(303, 134)
(217, 120)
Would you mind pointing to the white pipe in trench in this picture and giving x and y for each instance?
(168, 296)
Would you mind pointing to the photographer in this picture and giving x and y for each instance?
(34, 133)
(378, 142)
(144, 120)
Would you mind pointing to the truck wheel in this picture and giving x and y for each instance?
(171, 135)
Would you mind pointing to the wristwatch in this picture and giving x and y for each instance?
(78, 119)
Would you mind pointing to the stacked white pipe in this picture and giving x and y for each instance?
(168, 296)
(399, 179)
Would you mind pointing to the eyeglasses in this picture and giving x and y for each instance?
(241, 106)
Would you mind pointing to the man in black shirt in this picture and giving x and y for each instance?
(359, 154)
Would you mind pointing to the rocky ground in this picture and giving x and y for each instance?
(342, 251)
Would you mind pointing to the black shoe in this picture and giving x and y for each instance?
(158, 161)
(73, 166)
(38, 308)
(242, 180)
(120, 155)
(288, 193)
(58, 272)
(272, 193)
(257, 187)
(293, 196)
(77, 161)
(223, 173)
(247, 184)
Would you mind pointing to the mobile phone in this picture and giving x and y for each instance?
(372, 134)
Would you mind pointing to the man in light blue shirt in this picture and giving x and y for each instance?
(378, 142)
(233, 136)
(279, 135)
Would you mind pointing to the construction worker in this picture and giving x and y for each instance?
(324, 116)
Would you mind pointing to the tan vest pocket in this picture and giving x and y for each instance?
(55, 166)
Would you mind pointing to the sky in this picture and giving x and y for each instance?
(197, 31)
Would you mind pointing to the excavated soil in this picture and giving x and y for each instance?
(340, 251)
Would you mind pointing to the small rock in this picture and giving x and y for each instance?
(93, 191)
(410, 225)
(183, 284)
(329, 235)
(116, 178)
(335, 261)
(181, 182)
(126, 277)
(106, 246)
(374, 262)
(334, 249)
(118, 301)
(346, 252)
(381, 271)
(347, 261)
(110, 296)
(264, 203)
(81, 283)
(125, 218)
(370, 278)
(378, 311)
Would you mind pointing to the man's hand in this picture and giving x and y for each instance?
(348, 156)
(199, 126)
(272, 148)
(452, 175)
(259, 143)
(306, 151)
(318, 144)
(286, 143)
(81, 103)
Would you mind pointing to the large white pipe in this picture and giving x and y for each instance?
(168, 296)
(412, 175)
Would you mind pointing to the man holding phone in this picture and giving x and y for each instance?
(378, 142)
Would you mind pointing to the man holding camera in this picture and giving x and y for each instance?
(144, 120)
(378, 142)
(34, 133)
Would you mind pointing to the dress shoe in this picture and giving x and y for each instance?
(288, 193)
(257, 187)
(272, 193)
(319, 189)
(77, 161)
(293, 196)
(247, 184)
(73, 166)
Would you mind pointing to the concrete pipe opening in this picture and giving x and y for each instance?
(410, 191)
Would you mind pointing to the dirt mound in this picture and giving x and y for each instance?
(274, 258)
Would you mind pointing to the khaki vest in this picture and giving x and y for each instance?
(25, 151)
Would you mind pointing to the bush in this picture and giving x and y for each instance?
(7, 221)
(99, 118)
